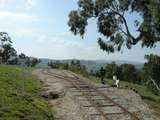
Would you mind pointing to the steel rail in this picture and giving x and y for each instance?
(108, 98)
(81, 81)
(85, 95)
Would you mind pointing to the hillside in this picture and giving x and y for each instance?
(19, 99)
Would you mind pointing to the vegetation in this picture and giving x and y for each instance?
(151, 73)
(24, 60)
(148, 76)
(58, 65)
(8, 55)
(112, 22)
(123, 72)
(74, 66)
(6, 49)
(102, 75)
(19, 97)
(130, 73)
(19, 89)
(130, 78)
(144, 91)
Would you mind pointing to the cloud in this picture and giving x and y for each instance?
(14, 16)
(20, 5)
(3, 3)
(60, 47)
(30, 4)
(18, 24)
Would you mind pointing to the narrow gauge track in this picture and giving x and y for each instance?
(87, 91)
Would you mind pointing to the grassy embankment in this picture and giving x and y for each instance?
(19, 99)
(147, 95)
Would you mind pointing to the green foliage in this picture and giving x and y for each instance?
(58, 65)
(22, 56)
(151, 72)
(112, 23)
(24, 60)
(34, 62)
(74, 66)
(19, 97)
(129, 72)
(126, 72)
(112, 69)
(6, 49)
(8, 55)
(31, 62)
(102, 74)
(8, 52)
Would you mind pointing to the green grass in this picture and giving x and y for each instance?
(19, 97)
(147, 95)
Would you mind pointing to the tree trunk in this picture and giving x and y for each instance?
(155, 84)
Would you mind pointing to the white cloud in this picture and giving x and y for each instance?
(14, 16)
(30, 4)
(19, 24)
(21, 5)
(3, 3)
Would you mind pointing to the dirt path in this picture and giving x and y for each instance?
(69, 103)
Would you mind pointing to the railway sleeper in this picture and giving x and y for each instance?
(99, 105)
(112, 116)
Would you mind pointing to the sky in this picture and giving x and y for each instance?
(39, 28)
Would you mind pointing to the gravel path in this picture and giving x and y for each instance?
(61, 97)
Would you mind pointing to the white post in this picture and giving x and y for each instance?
(116, 80)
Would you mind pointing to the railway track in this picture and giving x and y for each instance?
(97, 99)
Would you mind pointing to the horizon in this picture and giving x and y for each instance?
(95, 60)
(38, 30)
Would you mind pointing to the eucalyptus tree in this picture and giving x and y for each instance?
(6, 49)
(113, 25)
(151, 72)
(8, 53)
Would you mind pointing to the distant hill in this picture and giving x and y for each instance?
(91, 64)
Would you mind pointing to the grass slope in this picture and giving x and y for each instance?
(19, 98)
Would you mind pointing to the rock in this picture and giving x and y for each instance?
(54, 91)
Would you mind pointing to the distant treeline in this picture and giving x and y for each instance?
(8, 55)
(149, 75)
(74, 66)
(126, 72)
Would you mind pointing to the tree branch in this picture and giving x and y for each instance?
(153, 81)
(125, 23)
(123, 32)
(127, 33)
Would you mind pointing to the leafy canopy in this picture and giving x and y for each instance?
(8, 55)
(113, 25)
(6, 49)
(152, 67)
(151, 72)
